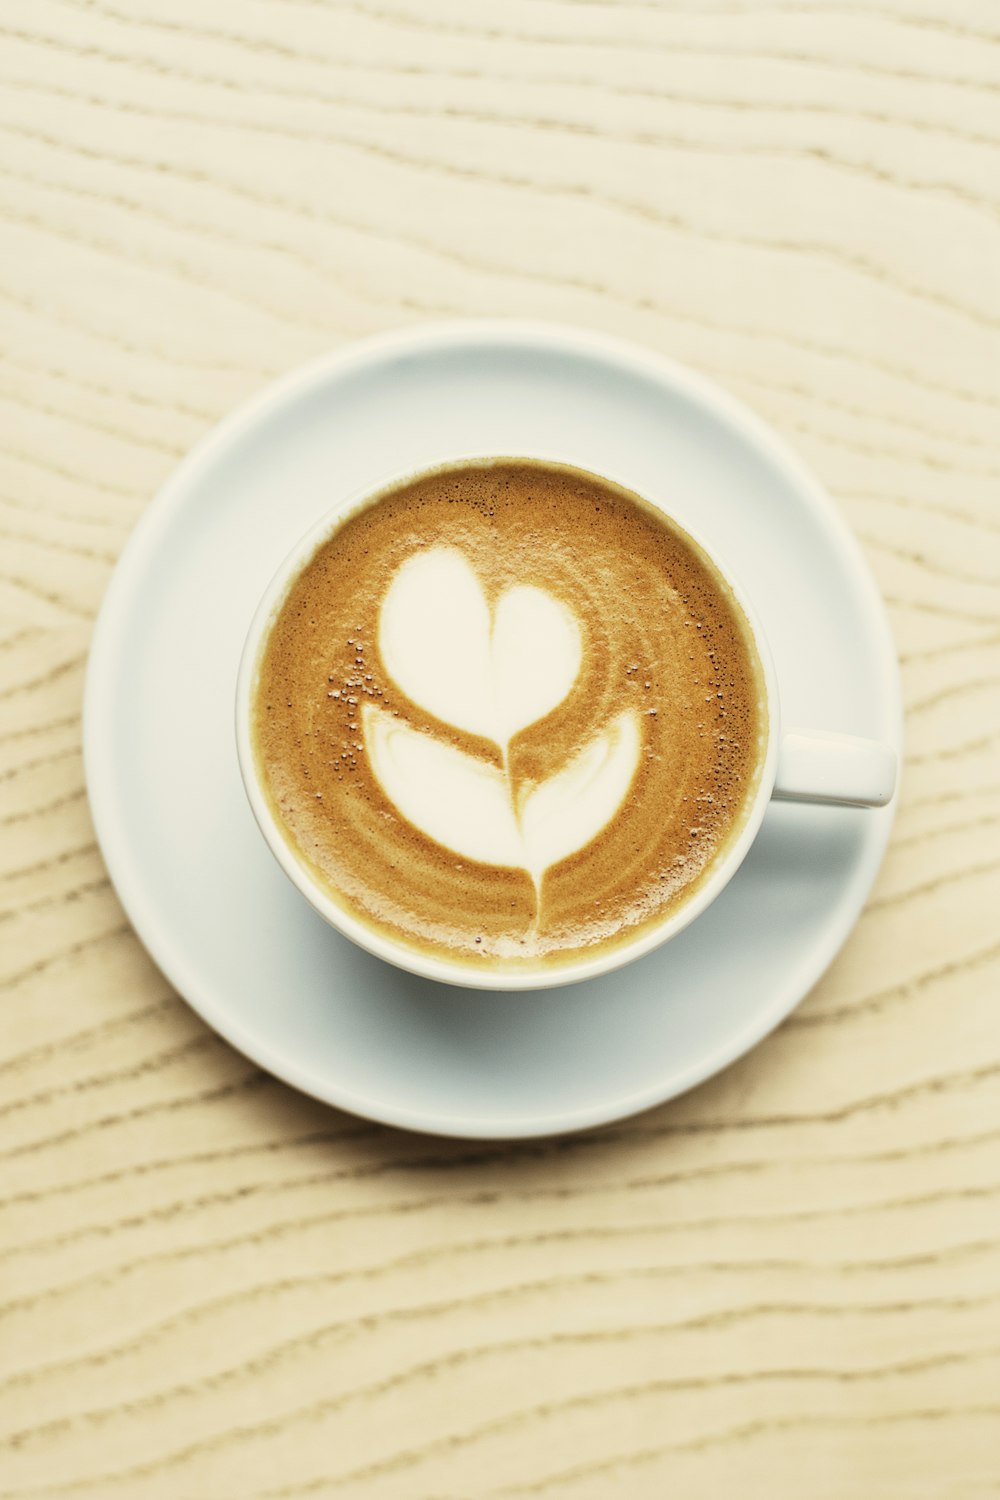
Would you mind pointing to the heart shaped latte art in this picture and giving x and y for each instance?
(490, 673)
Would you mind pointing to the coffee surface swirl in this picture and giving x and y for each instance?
(508, 712)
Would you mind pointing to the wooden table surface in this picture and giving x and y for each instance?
(786, 1284)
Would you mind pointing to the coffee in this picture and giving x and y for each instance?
(508, 713)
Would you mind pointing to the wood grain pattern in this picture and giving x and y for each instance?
(787, 1283)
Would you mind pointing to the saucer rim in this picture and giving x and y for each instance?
(408, 343)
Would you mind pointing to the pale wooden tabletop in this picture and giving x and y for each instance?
(786, 1284)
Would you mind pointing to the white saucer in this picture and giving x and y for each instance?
(201, 887)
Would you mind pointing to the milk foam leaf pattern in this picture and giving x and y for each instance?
(458, 800)
(464, 803)
(491, 673)
(562, 814)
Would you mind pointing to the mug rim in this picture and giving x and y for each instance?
(397, 951)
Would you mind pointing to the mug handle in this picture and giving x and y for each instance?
(836, 768)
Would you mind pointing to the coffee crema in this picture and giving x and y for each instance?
(508, 712)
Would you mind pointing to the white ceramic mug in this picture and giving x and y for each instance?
(795, 765)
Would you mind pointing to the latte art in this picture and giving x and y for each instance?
(507, 668)
(472, 808)
(491, 673)
(508, 713)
